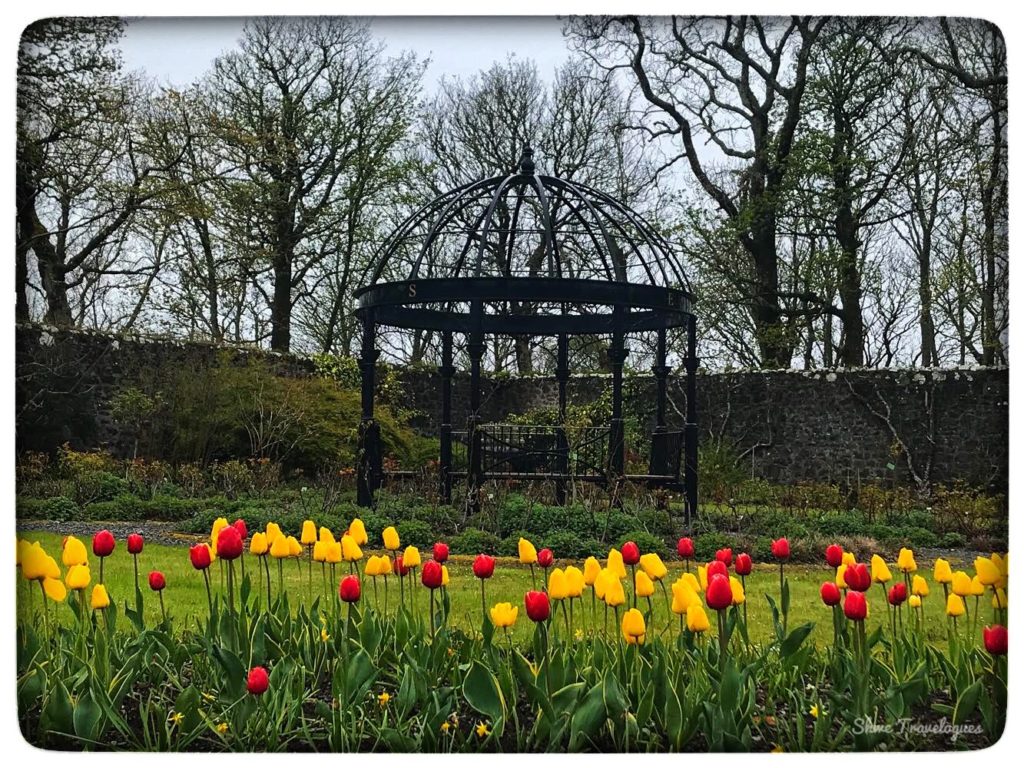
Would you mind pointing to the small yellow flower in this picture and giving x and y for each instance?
(813, 711)
(445, 727)
(384, 698)
(777, 749)
(209, 696)
(482, 730)
(578, 634)
(222, 728)
(323, 635)
(176, 718)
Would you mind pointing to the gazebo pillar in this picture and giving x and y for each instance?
(562, 375)
(447, 370)
(617, 429)
(661, 371)
(474, 438)
(368, 474)
(691, 420)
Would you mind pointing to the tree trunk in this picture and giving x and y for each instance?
(773, 334)
(924, 264)
(281, 311)
(524, 355)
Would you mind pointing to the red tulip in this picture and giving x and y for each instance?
(157, 581)
(135, 543)
(856, 606)
(400, 568)
(744, 564)
(200, 556)
(857, 577)
(348, 590)
(717, 567)
(830, 593)
(258, 681)
(239, 525)
(780, 549)
(630, 553)
(103, 543)
(897, 593)
(538, 607)
(483, 566)
(685, 548)
(724, 556)
(229, 543)
(834, 555)
(545, 558)
(996, 640)
(431, 574)
(441, 552)
(719, 594)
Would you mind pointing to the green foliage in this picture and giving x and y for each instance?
(60, 508)
(474, 541)
(416, 533)
(647, 542)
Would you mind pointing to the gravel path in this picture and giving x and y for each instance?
(155, 532)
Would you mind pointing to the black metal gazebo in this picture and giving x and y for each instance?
(529, 255)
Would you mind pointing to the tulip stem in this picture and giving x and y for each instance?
(483, 599)
(432, 631)
(266, 567)
(135, 561)
(209, 594)
(163, 612)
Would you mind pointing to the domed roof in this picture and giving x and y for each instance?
(527, 246)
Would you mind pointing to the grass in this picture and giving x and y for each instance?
(186, 601)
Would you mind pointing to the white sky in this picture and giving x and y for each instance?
(177, 51)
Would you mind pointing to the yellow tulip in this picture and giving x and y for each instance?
(905, 562)
(683, 596)
(55, 589)
(350, 551)
(34, 566)
(691, 581)
(504, 615)
(590, 570)
(879, 570)
(615, 594)
(20, 549)
(616, 564)
(999, 598)
(74, 553)
(604, 578)
(955, 606)
(100, 598)
(634, 628)
(358, 532)
(527, 552)
(444, 575)
(391, 540)
(294, 548)
(697, 618)
(78, 577)
(218, 525)
(702, 575)
(558, 585)
(411, 557)
(384, 566)
(849, 558)
(320, 551)
(309, 536)
(273, 532)
(841, 576)
(919, 586)
(914, 601)
(942, 574)
(644, 586)
(258, 544)
(574, 576)
(988, 571)
(977, 588)
(325, 535)
(334, 552)
(372, 566)
(279, 546)
(653, 566)
(737, 591)
(961, 584)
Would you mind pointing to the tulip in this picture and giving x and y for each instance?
(591, 568)
(504, 615)
(229, 543)
(309, 533)
(955, 606)
(691, 581)
(616, 564)
(630, 553)
(200, 556)
(258, 681)
(527, 552)
(914, 601)
(538, 607)
(653, 567)
(856, 606)
(74, 553)
(780, 549)
(744, 565)
(36, 564)
(431, 575)
(103, 546)
(999, 599)
(135, 543)
(683, 596)
(697, 619)
(849, 558)
(218, 525)
(996, 640)
(325, 535)
(988, 572)
(574, 577)
(55, 589)
(897, 594)
(279, 548)
(943, 574)
(724, 556)
(919, 586)
(294, 548)
(614, 595)
(391, 540)
(240, 526)
(558, 585)
(545, 558)
(349, 589)
(78, 577)
(444, 575)
(320, 554)
(258, 544)
(372, 567)
(834, 555)
(643, 586)
(273, 532)
(977, 587)
(157, 581)
(634, 628)
(350, 551)
(719, 592)
(483, 566)
(905, 562)
(411, 557)
(961, 584)
(830, 594)
(738, 596)
(717, 567)
(702, 575)
(604, 578)
(841, 577)
(685, 549)
(334, 552)
(100, 598)
(400, 567)
(857, 577)
(879, 570)
(357, 531)
(441, 552)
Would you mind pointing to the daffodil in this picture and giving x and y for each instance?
(482, 730)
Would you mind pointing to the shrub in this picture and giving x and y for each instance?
(98, 485)
(953, 540)
(101, 510)
(416, 533)
(29, 508)
(647, 542)
(705, 545)
(567, 544)
(473, 541)
(60, 508)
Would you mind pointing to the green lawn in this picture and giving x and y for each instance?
(185, 595)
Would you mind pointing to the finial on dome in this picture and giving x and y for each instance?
(526, 161)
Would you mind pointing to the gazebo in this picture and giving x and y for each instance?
(527, 255)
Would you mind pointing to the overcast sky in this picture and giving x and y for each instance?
(178, 51)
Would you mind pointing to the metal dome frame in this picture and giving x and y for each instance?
(596, 268)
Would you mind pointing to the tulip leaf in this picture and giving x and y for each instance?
(234, 672)
(482, 692)
(729, 690)
(614, 699)
(86, 717)
(967, 702)
(588, 717)
(57, 711)
(794, 640)
(361, 674)
(187, 704)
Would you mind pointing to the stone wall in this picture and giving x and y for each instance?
(848, 427)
